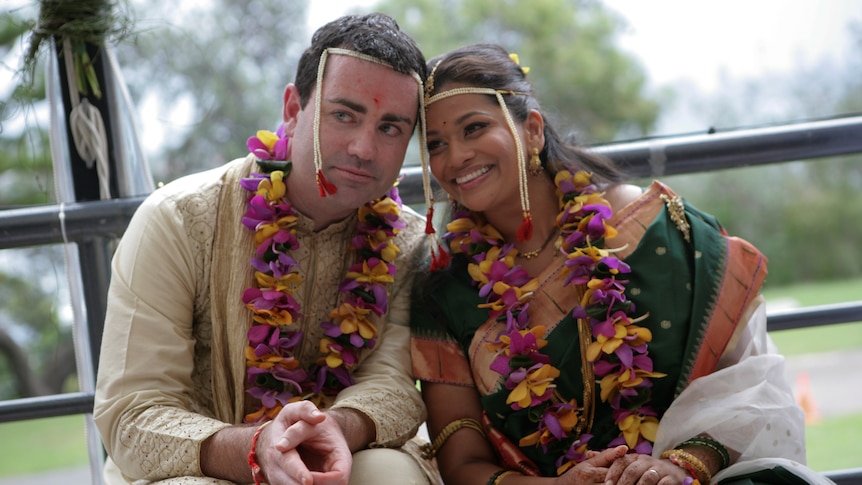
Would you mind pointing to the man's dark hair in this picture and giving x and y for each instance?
(375, 34)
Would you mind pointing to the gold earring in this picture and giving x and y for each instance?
(535, 163)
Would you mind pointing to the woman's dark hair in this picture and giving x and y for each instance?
(375, 34)
(489, 66)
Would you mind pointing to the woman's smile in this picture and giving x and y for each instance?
(472, 175)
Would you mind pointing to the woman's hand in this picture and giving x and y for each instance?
(593, 470)
(635, 469)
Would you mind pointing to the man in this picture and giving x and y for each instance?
(188, 391)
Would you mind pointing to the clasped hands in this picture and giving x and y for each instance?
(304, 446)
(615, 466)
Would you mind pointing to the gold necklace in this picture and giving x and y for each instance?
(528, 255)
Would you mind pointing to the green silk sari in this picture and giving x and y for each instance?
(693, 284)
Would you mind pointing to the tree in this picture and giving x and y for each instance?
(801, 215)
(224, 63)
(227, 62)
(35, 348)
(25, 167)
(581, 77)
(36, 351)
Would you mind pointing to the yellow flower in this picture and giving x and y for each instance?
(643, 335)
(257, 416)
(382, 206)
(535, 384)
(567, 417)
(354, 319)
(288, 222)
(268, 361)
(378, 274)
(287, 283)
(272, 188)
(635, 425)
(271, 317)
(611, 383)
(265, 231)
(333, 357)
(267, 137)
(464, 224)
(390, 252)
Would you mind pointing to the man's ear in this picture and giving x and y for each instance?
(290, 109)
(534, 128)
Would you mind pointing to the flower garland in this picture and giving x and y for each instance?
(618, 347)
(273, 371)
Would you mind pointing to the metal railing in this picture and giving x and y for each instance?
(95, 225)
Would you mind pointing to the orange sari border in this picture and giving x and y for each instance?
(744, 273)
(441, 362)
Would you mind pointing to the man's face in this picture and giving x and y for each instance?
(367, 115)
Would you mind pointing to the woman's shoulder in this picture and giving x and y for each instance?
(620, 195)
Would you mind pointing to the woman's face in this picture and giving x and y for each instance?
(473, 153)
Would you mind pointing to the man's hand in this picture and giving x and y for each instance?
(304, 446)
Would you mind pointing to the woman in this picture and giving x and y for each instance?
(581, 316)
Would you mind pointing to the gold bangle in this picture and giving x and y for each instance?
(429, 450)
(683, 458)
(707, 442)
(498, 477)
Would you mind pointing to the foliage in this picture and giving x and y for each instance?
(803, 215)
(36, 350)
(225, 63)
(581, 77)
(79, 22)
(25, 167)
(26, 172)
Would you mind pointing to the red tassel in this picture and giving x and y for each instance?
(324, 188)
(439, 258)
(429, 221)
(525, 232)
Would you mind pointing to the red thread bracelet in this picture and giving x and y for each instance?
(256, 472)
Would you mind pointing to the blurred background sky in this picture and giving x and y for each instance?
(700, 46)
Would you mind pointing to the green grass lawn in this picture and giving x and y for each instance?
(828, 443)
(824, 338)
(61, 441)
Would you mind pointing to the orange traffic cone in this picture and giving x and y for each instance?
(805, 398)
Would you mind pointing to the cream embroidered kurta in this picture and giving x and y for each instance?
(172, 370)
